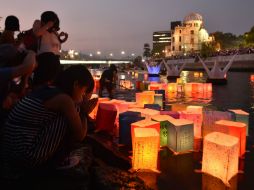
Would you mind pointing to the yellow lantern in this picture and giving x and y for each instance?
(145, 148)
(145, 98)
(172, 88)
(220, 156)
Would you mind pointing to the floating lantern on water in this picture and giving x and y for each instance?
(210, 117)
(178, 107)
(145, 76)
(158, 99)
(153, 86)
(125, 121)
(125, 84)
(220, 156)
(136, 75)
(196, 118)
(208, 87)
(94, 112)
(179, 81)
(144, 98)
(164, 124)
(172, 88)
(145, 148)
(236, 129)
(122, 77)
(242, 116)
(180, 135)
(106, 116)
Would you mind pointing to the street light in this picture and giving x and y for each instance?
(98, 52)
(122, 52)
(111, 54)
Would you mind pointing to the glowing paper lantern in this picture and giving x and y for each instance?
(145, 76)
(158, 99)
(179, 81)
(188, 88)
(236, 129)
(180, 135)
(220, 156)
(125, 121)
(174, 114)
(210, 117)
(125, 84)
(196, 118)
(178, 107)
(242, 116)
(122, 77)
(144, 98)
(208, 87)
(94, 112)
(145, 148)
(164, 123)
(106, 116)
(172, 88)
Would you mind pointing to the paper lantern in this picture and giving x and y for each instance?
(144, 98)
(94, 112)
(145, 148)
(242, 116)
(174, 114)
(252, 78)
(145, 76)
(178, 107)
(138, 85)
(164, 123)
(196, 118)
(122, 77)
(188, 87)
(180, 135)
(196, 74)
(106, 116)
(172, 88)
(210, 117)
(236, 129)
(208, 87)
(146, 124)
(158, 99)
(180, 89)
(125, 84)
(179, 81)
(220, 156)
(125, 121)
(162, 92)
(154, 86)
(153, 106)
(136, 75)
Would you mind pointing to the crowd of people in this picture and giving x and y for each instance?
(43, 108)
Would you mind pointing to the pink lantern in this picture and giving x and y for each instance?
(236, 129)
(94, 112)
(208, 87)
(220, 156)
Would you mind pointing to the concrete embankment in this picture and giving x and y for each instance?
(241, 62)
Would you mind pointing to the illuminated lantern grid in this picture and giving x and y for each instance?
(145, 148)
(236, 129)
(220, 156)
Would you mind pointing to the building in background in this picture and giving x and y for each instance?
(161, 39)
(188, 37)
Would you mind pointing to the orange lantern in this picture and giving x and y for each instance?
(236, 129)
(172, 88)
(208, 87)
(242, 116)
(145, 98)
(145, 148)
(220, 156)
(94, 112)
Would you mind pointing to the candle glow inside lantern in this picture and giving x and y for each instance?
(164, 123)
(106, 116)
(210, 117)
(144, 98)
(180, 135)
(145, 148)
(172, 88)
(208, 87)
(242, 116)
(158, 99)
(94, 112)
(236, 129)
(220, 156)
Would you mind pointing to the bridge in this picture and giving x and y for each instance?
(91, 62)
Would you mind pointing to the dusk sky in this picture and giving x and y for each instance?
(116, 25)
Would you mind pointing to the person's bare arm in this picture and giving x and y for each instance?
(39, 31)
(64, 104)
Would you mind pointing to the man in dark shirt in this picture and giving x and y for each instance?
(108, 80)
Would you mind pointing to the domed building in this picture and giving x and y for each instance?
(188, 37)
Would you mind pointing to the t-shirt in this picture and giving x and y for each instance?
(49, 43)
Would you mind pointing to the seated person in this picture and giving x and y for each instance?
(44, 126)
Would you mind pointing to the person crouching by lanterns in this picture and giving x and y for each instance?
(108, 80)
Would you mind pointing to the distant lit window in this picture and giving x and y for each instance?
(192, 31)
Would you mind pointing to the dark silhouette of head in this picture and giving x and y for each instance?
(50, 16)
(113, 67)
(12, 23)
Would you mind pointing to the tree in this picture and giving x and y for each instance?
(207, 49)
(147, 50)
(227, 40)
(249, 37)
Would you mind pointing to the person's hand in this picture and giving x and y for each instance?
(63, 36)
(87, 106)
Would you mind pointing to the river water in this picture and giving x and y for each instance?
(180, 172)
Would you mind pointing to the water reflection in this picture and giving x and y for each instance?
(212, 183)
